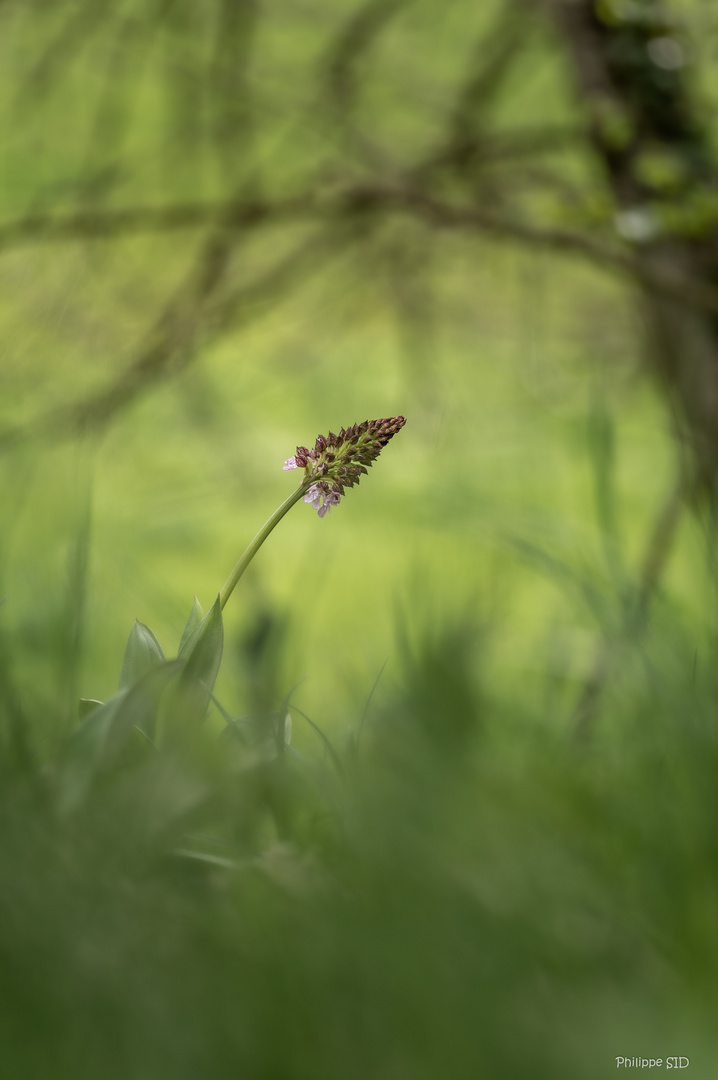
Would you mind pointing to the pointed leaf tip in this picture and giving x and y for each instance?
(203, 654)
(143, 652)
(195, 618)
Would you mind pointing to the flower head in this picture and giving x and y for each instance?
(337, 462)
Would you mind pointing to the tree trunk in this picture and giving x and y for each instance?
(631, 70)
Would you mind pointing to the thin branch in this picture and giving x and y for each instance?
(491, 147)
(228, 82)
(75, 33)
(169, 344)
(355, 201)
(107, 224)
(494, 57)
(195, 310)
(198, 306)
(677, 286)
(352, 44)
(344, 56)
(132, 39)
(464, 145)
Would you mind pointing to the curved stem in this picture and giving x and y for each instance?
(259, 539)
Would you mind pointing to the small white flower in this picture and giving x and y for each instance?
(314, 496)
(290, 463)
(330, 500)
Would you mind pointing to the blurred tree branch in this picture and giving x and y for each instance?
(233, 215)
(171, 341)
(197, 309)
(643, 124)
(468, 171)
(629, 73)
(359, 200)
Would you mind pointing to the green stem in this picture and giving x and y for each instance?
(259, 539)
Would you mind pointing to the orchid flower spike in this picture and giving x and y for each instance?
(337, 461)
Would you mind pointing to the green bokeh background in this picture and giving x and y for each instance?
(483, 896)
(503, 360)
(497, 452)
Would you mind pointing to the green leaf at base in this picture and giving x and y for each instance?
(195, 618)
(143, 652)
(203, 654)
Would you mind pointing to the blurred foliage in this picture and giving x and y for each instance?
(225, 228)
(465, 892)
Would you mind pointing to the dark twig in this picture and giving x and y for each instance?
(228, 83)
(351, 45)
(196, 309)
(108, 224)
(340, 80)
(75, 33)
(346, 214)
(360, 200)
(462, 147)
(656, 278)
(133, 33)
(490, 148)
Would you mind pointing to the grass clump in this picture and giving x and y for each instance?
(452, 891)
